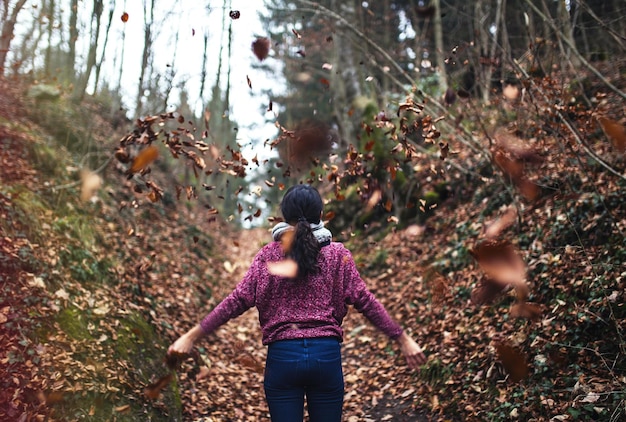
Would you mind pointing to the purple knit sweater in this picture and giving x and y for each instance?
(314, 307)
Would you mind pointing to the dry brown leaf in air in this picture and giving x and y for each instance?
(501, 262)
(91, 183)
(286, 268)
(525, 310)
(494, 229)
(173, 360)
(144, 159)
(528, 189)
(261, 48)
(513, 360)
(247, 360)
(513, 168)
(373, 200)
(286, 240)
(154, 390)
(615, 131)
(487, 291)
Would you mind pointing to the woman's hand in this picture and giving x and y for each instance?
(184, 344)
(412, 351)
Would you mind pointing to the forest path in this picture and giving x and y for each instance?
(376, 378)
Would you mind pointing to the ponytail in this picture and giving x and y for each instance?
(302, 206)
(305, 249)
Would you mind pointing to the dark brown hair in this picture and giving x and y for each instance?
(302, 206)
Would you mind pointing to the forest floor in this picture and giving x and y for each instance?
(94, 291)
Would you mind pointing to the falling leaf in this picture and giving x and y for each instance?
(513, 360)
(494, 229)
(173, 360)
(525, 310)
(296, 33)
(121, 155)
(247, 360)
(286, 268)
(487, 291)
(449, 97)
(528, 189)
(144, 158)
(501, 262)
(153, 391)
(375, 197)
(615, 131)
(230, 268)
(512, 167)
(124, 17)
(286, 240)
(445, 150)
(91, 183)
(249, 82)
(261, 48)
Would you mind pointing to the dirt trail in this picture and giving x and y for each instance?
(233, 389)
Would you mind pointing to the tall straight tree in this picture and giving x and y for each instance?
(81, 85)
(50, 12)
(148, 20)
(9, 18)
(73, 30)
(439, 47)
(104, 46)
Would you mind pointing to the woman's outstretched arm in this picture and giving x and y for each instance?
(184, 344)
(412, 351)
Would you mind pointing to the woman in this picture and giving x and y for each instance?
(301, 314)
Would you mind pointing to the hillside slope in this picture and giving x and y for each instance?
(95, 289)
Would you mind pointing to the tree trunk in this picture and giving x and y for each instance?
(148, 18)
(567, 31)
(81, 85)
(104, 48)
(439, 47)
(48, 56)
(171, 74)
(73, 29)
(6, 35)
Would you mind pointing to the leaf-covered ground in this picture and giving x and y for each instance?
(93, 292)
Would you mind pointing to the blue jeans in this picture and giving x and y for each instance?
(304, 367)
